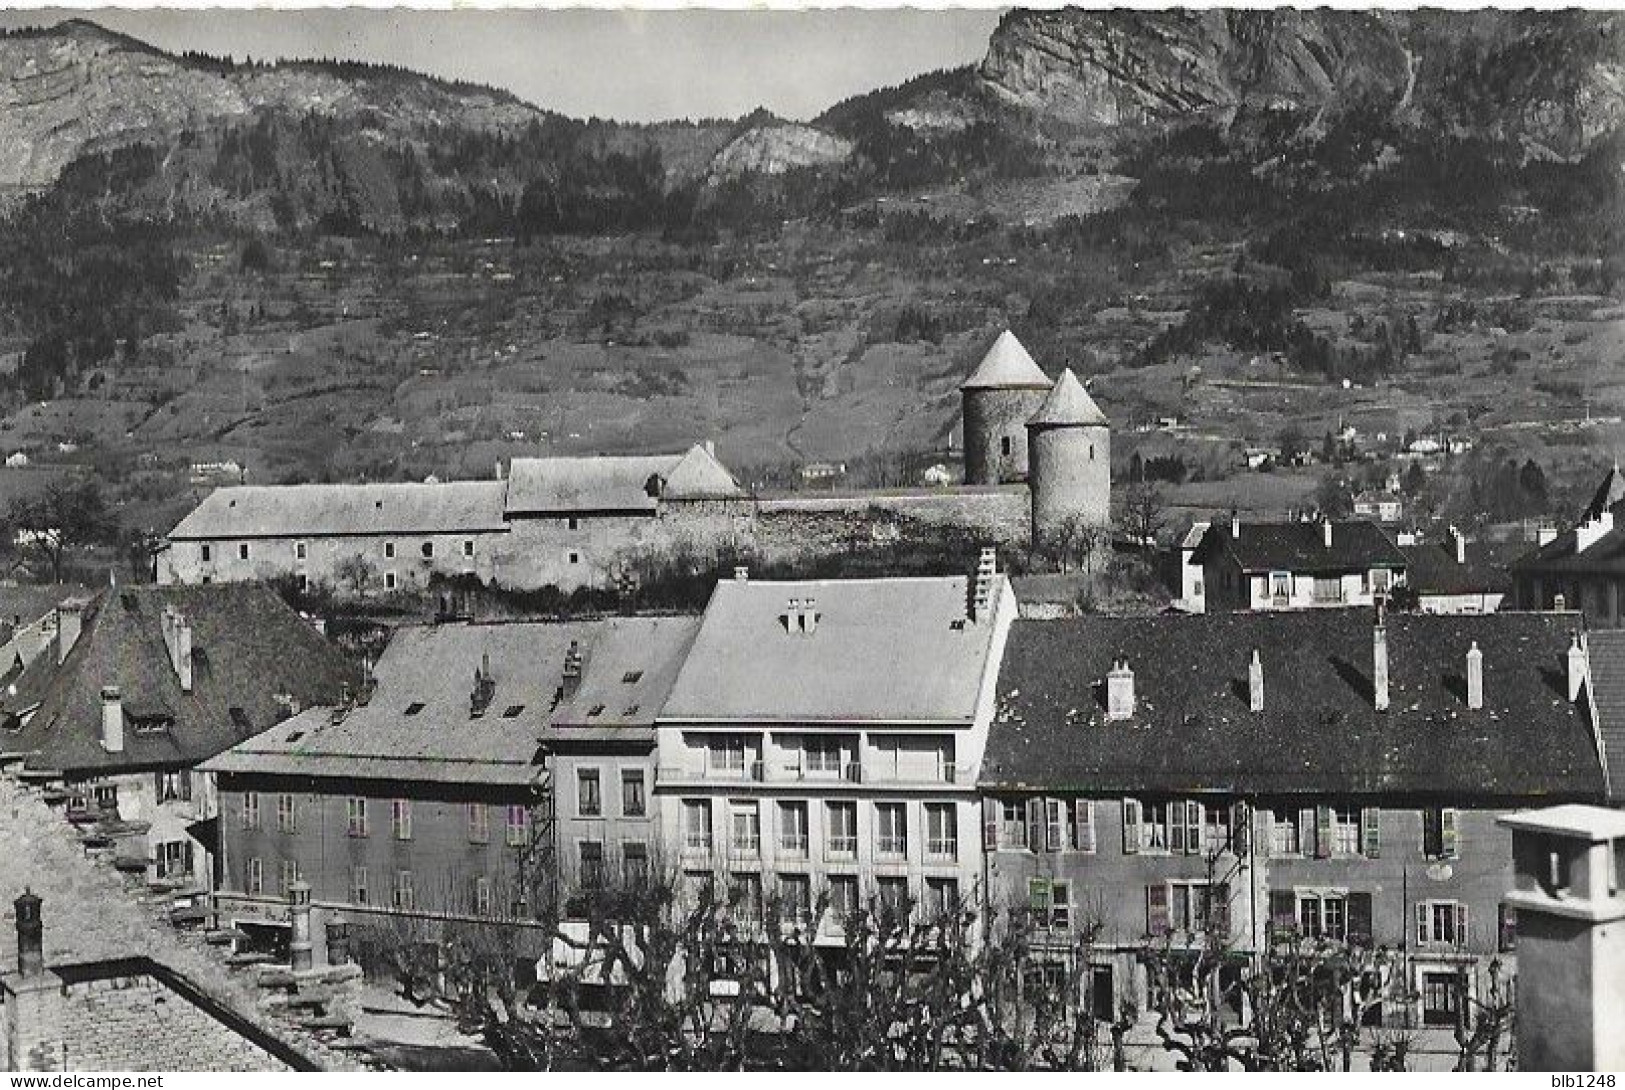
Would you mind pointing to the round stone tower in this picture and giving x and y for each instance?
(1069, 444)
(1006, 388)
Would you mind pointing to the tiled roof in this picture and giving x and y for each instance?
(326, 509)
(628, 670)
(886, 650)
(1606, 554)
(1607, 648)
(1007, 365)
(1301, 546)
(418, 724)
(248, 648)
(1319, 733)
(1431, 568)
(1068, 405)
(614, 483)
(1610, 495)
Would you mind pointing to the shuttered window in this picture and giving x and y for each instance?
(1083, 826)
(990, 824)
(1370, 832)
(1156, 909)
(1055, 825)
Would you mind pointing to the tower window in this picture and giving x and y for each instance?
(1004, 444)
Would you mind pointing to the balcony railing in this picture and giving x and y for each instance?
(841, 845)
(793, 844)
(851, 772)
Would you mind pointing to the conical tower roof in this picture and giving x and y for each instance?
(1609, 495)
(1007, 365)
(1068, 405)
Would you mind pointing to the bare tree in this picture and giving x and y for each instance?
(65, 515)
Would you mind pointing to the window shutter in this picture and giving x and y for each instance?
(1449, 837)
(1038, 895)
(1131, 826)
(1359, 917)
(1323, 832)
(1035, 825)
(1193, 828)
(1283, 911)
(1422, 935)
(1055, 824)
(1240, 828)
(990, 824)
(1431, 846)
(1083, 818)
(1508, 930)
(1156, 909)
(1370, 838)
(1306, 831)
(1461, 925)
(1176, 827)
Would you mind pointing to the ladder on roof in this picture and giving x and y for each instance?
(987, 566)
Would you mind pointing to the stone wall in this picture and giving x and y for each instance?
(792, 528)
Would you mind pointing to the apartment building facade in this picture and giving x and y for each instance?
(1272, 776)
(821, 743)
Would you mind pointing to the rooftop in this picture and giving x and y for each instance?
(637, 483)
(627, 672)
(880, 650)
(249, 511)
(1007, 365)
(1192, 730)
(248, 651)
(418, 723)
(1357, 544)
(1607, 648)
(1068, 405)
(1431, 568)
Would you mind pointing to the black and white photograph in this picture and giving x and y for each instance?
(959, 539)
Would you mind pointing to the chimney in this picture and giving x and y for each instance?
(981, 587)
(1460, 541)
(112, 719)
(1235, 526)
(1120, 692)
(70, 619)
(1545, 535)
(1559, 603)
(710, 447)
(499, 469)
(1379, 662)
(809, 616)
(572, 670)
(1326, 531)
(1577, 665)
(1255, 682)
(30, 934)
(741, 573)
(1475, 678)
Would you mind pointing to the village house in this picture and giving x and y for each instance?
(599, 748)
(822, 741)
(142, 684)
(1295, 565)
(1453, 575)
(469, 775)
(1585, 565)
(419, 795)
(1240, 777)
(564, 522)
(1382, 506)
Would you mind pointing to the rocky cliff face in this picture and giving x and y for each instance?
(1132, 67)
(775, 148)
(78, 88)
(1552, 81)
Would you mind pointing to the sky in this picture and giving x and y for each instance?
(628, 65)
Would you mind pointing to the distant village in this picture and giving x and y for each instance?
(1397, 751)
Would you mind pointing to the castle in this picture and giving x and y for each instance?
(1037, 468)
